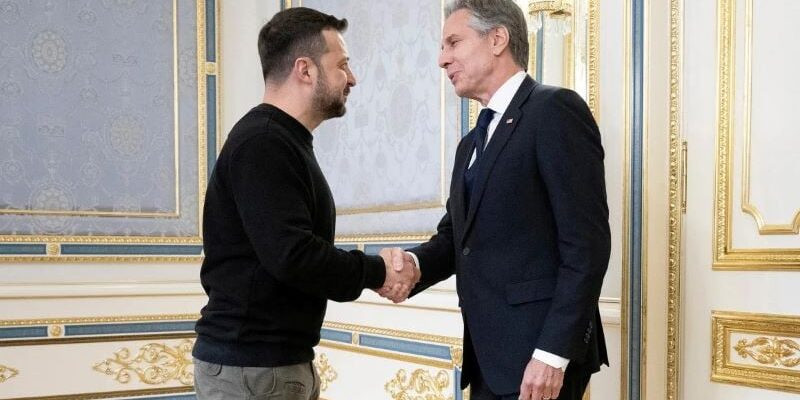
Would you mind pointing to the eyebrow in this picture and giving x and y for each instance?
(451, 37)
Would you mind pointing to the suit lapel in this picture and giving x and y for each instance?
(504, 130)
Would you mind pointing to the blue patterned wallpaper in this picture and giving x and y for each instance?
(91, 140)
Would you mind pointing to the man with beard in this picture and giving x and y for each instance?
(269, 217)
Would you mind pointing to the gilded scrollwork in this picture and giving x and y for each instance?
(326, 373)
(154, 364)
(770, 351)
(419, 386)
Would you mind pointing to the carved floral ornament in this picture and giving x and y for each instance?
(154, 364)
(419, 386)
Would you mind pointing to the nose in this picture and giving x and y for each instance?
(351, 78)
(444, 58)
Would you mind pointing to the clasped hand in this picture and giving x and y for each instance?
(402, 274)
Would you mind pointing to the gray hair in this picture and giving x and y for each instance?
(490, 14)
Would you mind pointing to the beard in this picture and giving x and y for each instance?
(326, 101)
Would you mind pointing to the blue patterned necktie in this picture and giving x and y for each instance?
(481, 131)
(484, 118)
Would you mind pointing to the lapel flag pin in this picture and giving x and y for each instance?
(510, 120)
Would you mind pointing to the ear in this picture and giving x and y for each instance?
(305, 70)
(499, 39)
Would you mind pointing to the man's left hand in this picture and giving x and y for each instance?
(540, 381)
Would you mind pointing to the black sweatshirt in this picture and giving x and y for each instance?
(270, 264)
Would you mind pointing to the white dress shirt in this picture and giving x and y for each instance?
(499, 103)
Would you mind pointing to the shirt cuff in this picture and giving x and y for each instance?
(416, 260)
(551, 359)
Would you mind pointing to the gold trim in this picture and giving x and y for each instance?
(98, 320)
(725, 256)
(155, 364)
(424, 337)
(791, 228)
(769, 325)
(568, 74)
(386, 354)
(390, 208)
(425, 308)
(593, 65)
(95, 339)
(108, 395)
(676, 193)
(202, 109)
(532, 53)
(388, 238)
(473, 109)
(7, 373)
(556, 8)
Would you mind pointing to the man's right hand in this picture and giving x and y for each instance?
(401, 274)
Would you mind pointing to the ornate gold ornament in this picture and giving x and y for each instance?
(419, 386)
(771, 351)
(7, 373)
(457, 355)
(326, 373)
(154, 364)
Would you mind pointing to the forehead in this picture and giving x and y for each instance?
(457, 23)
(334, 41)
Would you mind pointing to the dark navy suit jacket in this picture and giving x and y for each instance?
(531, 251)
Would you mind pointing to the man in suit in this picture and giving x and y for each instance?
(526, 229)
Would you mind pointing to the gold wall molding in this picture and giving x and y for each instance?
(7, 373)
(764, 228)
(770, 340)
(424, 337)
(675, 201)
(99, 320)
(384, 237)
(326, 373)
(430, 362)
(155, 364)
(419, 386)
(725, 255)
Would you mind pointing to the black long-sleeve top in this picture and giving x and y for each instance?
(270, 264)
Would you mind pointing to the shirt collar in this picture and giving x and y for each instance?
(503, 96)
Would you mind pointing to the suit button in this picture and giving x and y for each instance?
(465, 251)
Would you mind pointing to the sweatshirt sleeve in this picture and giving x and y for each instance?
(274, 197)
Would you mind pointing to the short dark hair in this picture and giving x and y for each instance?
(290, 34)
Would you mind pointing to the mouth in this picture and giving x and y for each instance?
(452, 76)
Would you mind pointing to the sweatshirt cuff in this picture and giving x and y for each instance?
(374, 272)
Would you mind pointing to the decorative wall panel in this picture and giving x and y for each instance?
(107, 109)
(759, 350)
(757, 214)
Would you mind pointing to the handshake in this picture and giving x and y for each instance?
(402, 274)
